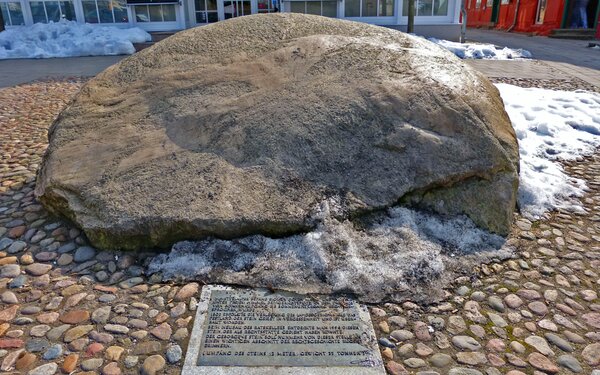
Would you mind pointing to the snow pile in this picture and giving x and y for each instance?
(68, 38)
(481, 51)
(394, 255)
(551, 126)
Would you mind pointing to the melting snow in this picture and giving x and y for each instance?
(68, 38)
(551, 126)
(482, 51)
(397, 254)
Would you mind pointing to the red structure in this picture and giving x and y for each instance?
(530, 16)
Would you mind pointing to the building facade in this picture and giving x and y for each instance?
(534, 16)
(439, 18)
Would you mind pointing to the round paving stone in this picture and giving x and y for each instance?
(541, 362)
(570, 363)
(440, 360)
(174, 353)
(466, 342)
(91, 364)
(153, 365)
(538, 308)
(47, 369)
(84, 254)
(415, 362)
(53, 352)
(401, 335)
(591, 354)
(464, 371)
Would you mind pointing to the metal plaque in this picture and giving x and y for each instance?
(254, 328)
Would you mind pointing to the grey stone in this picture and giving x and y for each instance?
(91, 364)
(265, 163)
(16, 247)
(386, 343)
(402, 335)
(4, 243)
(130, 361)
(46, 369)
(83, 254)
(466, 342)
(464, 371)
(415, 362)
(496, 303)
(36, 345)
(10, 271)
(53, 352)
(174, 353)
(440, 360)
(101, 315)
(558, 341)
(67, 248)
(569, 362)
(539, 344)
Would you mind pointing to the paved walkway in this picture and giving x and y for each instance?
(554, 58)
(574, 52)
(15, 72)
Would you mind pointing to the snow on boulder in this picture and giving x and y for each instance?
(246, 126)
(68, 38)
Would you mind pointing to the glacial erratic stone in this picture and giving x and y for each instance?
(245, 126)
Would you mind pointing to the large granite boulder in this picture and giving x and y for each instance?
(245, 126)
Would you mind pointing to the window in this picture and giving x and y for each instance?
(541, 12)
(268, 6)
(155, 13)
(46, 11)
(12, 13)
(319, 8)
(477, 4)
(428, 8)
(105, 11)
(206, 11)
(369, 8)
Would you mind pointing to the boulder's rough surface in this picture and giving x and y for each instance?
(245, 126)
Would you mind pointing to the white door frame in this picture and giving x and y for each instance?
(220, 11)
(221, 7)
(178, 24)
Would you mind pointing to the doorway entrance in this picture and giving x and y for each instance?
(581, 14)
(495, 11)
(209, 11)
(236, 8)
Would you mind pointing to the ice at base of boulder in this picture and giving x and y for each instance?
(396, 254)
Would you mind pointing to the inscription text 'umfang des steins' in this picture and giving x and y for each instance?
(257, 328)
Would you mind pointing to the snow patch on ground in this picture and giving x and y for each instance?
(68, 38)
(551, 126)
(397, 254)
(481, 51)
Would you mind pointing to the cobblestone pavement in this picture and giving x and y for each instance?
(65, 307)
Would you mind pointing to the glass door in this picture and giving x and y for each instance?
(236, 8)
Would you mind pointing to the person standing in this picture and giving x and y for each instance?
(579, 16)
